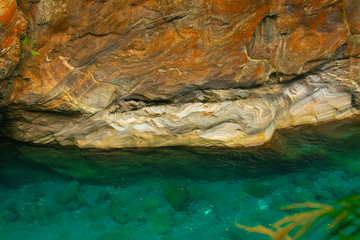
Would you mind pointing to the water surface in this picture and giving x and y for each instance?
(173, 193)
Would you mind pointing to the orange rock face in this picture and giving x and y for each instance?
(12, 25)
(97, 57)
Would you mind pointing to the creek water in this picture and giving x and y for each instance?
(173, 193)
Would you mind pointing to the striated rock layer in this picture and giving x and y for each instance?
(144, 73)
(12, 24)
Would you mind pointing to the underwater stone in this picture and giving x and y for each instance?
(112, 236)
(102, 196)
(322, 196)
(168, 238)
(257, 188)
(94, 197)
(160, 222)
(353, 169)
(298, 194)
(339, 191)
(120, 215)
(117, 206)
(34, 194)
(69, 192)
(98, 227)
(303, 181)
(266, 216)
(194, 193)
(98, 212)
(127, 214)
(64, 235)
(15, 208)
(117, 200)
(151, 204)
(10, 217)
(262, 205)
(33, 212)
(177, 196)
(124, 211)
(277, 201)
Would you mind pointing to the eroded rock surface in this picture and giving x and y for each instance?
(12, 25)
(142, 73)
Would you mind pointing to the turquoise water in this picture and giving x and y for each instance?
(173, 193)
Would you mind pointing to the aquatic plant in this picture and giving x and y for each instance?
(344, 215)
(28, 45)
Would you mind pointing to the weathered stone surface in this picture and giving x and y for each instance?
(12, 24)
(142, 73)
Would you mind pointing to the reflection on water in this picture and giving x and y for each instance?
(172, 193)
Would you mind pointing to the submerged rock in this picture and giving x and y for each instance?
(112, 236)
(69, 193)
(177, 196)
(257, 189)
(160, 221)
(116, 74)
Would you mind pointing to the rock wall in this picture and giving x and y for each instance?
(144, 73)
(12, 25)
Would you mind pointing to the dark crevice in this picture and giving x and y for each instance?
(135, 103)
(355, 101)
(57, 113)
(93, 34)
(174, 16)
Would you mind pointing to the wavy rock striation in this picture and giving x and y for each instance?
(144, 73)
(12, 24)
